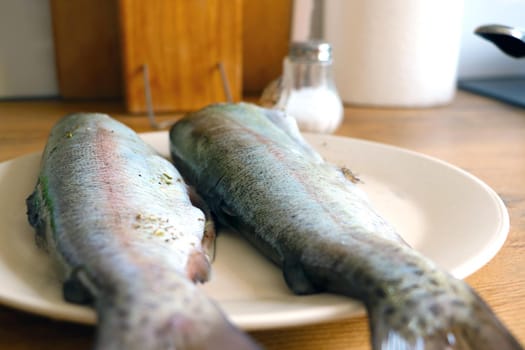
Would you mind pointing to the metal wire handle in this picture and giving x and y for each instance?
(149, 100)
(225, 82)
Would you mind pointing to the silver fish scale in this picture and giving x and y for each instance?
(260, 178)
(150, 202)
(119, 220)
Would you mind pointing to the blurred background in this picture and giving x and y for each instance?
(82, 49)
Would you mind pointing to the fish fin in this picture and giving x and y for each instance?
(226, 210)
(75, 290)
(208, 238)
(33, 210)
(287, 123)
(296, 278)
(350, 175)
(198, 267)
(229, 337)
(271, 93)
(177, 330)
(478, 331)
(34, 207)
(157, 319)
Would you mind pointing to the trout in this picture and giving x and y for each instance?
(119, 222)
(260, 177)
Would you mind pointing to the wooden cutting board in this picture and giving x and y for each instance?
(102, 45)
(182, 42)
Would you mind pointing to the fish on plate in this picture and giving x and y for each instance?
(259, 177)
(119, 222)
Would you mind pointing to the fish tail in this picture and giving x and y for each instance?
(138, 327)
(447, 323)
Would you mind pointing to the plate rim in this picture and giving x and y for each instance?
(248, 322)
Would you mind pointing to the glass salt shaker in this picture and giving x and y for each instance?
(306, 89)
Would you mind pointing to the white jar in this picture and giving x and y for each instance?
(401, 53)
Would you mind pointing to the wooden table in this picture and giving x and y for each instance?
(484, 137)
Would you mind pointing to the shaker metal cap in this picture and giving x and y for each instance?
(312, 51)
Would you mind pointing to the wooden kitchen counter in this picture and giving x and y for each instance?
(479, 135)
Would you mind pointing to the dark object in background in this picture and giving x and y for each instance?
(510, 89)
(509, 40)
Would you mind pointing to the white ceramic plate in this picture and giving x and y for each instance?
(448, 214)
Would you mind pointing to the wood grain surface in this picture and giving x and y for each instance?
(88, 45)
(266, 37)
(87, 54)
(182, 43)
(481, 136)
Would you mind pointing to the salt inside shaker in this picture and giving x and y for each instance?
(307, 90)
